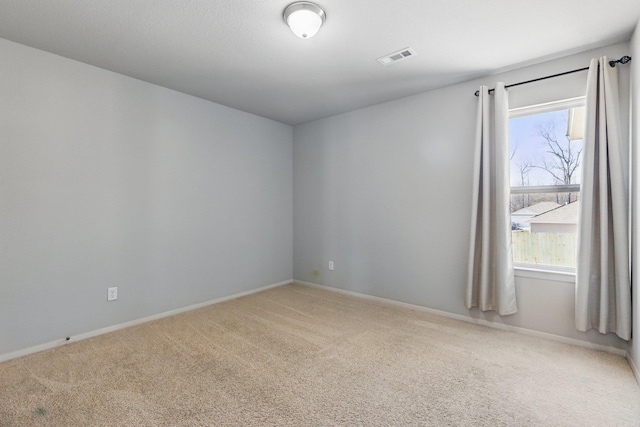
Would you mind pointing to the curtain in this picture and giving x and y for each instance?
(603, 293)
(490, 282)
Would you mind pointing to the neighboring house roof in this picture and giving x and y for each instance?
(537, 209)
(567, 214)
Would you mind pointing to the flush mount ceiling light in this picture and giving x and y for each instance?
(304, 18)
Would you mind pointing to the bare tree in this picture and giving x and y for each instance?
(562, 159)
(524, 167)
(513, 153)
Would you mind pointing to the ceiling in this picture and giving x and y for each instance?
(241, 54)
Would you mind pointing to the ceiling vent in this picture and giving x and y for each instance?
(397, 56)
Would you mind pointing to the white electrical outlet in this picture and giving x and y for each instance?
(112, 294)
(331, 265)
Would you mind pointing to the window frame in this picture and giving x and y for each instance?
(544, 271)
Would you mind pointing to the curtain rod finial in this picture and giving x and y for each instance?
(624, 60)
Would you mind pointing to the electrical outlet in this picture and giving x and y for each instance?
(331, 265)
(112, 294)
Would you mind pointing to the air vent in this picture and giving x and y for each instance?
(397, 56)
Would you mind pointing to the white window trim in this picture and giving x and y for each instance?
(545, 272)
(541, 271)
(547, 106)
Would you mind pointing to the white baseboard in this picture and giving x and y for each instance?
(524, 331)
(558, 338)
(634, 367)
(85, 335)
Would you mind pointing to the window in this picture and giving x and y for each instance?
(546, 153)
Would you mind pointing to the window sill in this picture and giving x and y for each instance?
(536, 272)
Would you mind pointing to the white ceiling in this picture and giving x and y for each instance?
(241, 54)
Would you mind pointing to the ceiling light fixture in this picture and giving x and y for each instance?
(304, 18)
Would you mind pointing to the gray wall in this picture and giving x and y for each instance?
(635, 208)
(109, 181)
(385, 193)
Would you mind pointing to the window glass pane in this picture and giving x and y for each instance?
(544, 232)
(541, 151)
(545, 151)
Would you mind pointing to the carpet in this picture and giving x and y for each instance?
(302, 356)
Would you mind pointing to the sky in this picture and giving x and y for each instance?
(529, 146)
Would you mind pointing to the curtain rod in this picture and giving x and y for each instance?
(624, 60)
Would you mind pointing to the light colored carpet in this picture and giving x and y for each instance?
(301, 356)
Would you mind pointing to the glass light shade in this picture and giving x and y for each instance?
(304, 23)
(304, 19)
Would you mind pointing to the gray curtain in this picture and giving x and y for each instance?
(491, 283)
(603, 292)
